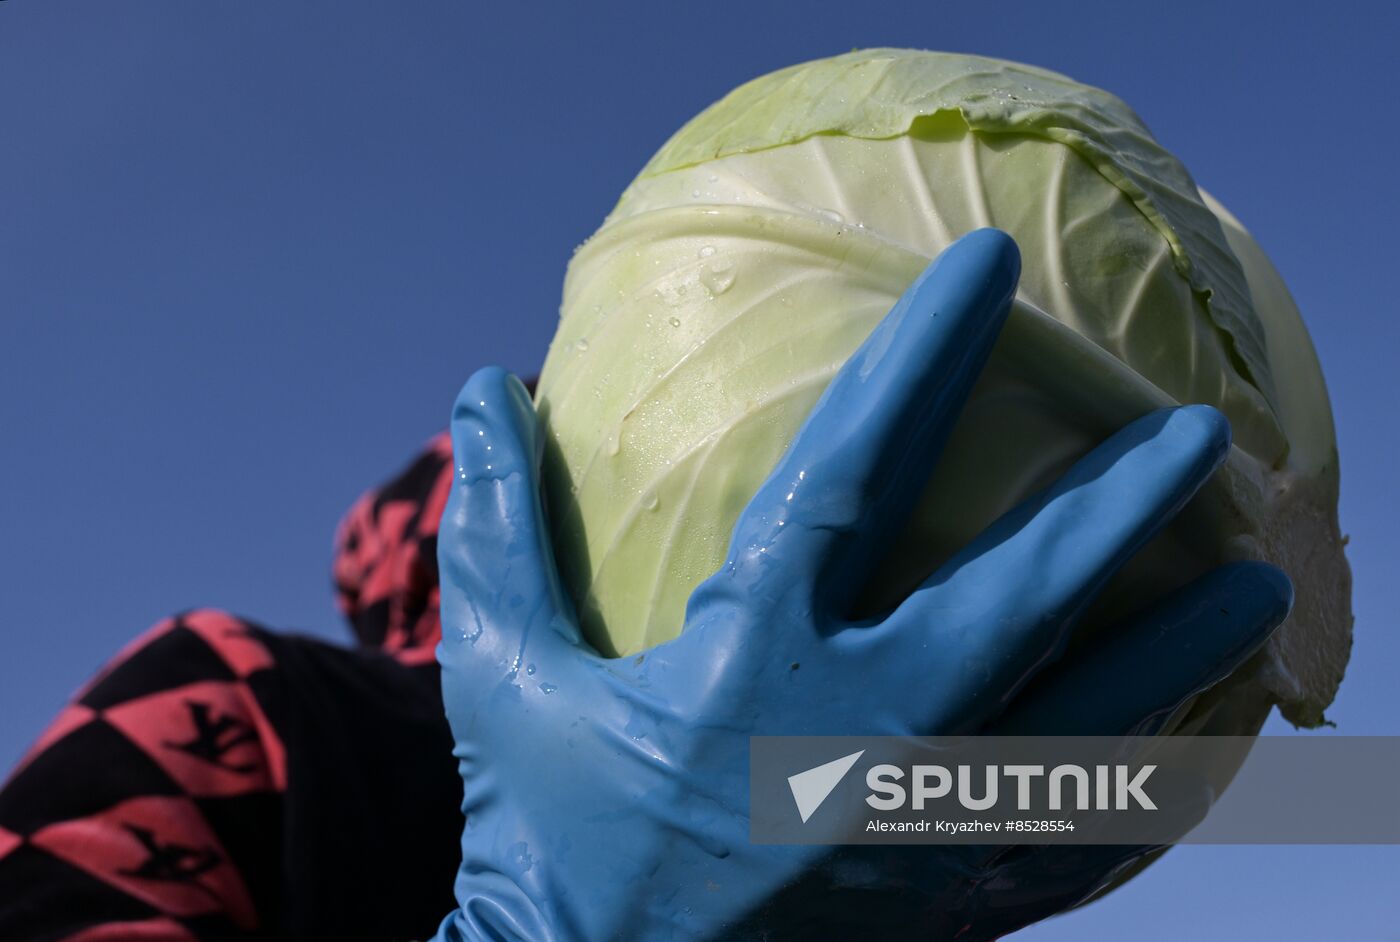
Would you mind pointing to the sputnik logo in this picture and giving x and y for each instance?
(811, 788)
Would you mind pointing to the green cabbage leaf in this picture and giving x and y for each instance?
(766, 239)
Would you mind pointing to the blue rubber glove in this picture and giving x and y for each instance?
(608, 799)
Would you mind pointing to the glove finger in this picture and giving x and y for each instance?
(1000, 610)
(855, 469)
(1135, 678)
(499, 587)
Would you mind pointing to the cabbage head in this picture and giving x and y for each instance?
(767, 238)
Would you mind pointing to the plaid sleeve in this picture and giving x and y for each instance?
(221, 781)
(142, 812)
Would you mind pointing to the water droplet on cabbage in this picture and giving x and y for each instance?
(718, 277)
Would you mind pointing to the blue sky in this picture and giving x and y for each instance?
(248, 253)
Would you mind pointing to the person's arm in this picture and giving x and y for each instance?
(136, 815)
(608, 799)
(221, 781)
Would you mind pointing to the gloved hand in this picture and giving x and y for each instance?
(608, 798)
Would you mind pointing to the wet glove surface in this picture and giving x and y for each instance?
(608, 798)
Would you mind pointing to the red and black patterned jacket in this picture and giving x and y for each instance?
(218, 780)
